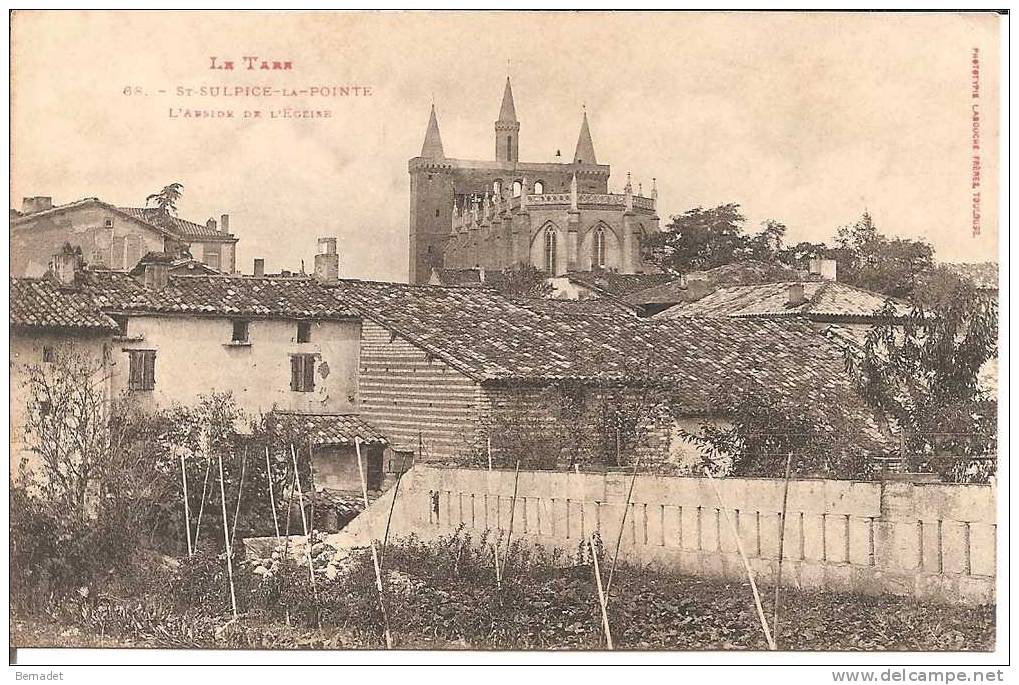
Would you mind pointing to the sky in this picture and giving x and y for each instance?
(808, 119)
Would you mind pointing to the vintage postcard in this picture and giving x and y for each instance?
(466, 332)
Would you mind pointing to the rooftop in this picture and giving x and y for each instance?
(333, 429)
(497, 340)
(821, 299)
(300, 297)
(617, 284)
(45, 303)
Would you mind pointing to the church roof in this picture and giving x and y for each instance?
(507, 112)
(433, 141)
(585, 146)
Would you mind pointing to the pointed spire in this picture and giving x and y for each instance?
(585, 147)
(507, 112)
(433, 141)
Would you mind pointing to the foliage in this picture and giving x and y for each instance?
(166, 199)
(763, 428)
(873, 261)
(923, 372)
(524, 280)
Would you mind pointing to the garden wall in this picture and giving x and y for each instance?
(931, 541)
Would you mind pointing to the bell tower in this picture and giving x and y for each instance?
(507, 129)
(431, 204)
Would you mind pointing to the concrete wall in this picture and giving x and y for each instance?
(194, 357)
(930, 541)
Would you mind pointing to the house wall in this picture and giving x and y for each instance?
(35, 242)
(227, 254)
(929, 541)
(335, 467)
(194, 357)
(415, 400)
(26, 351)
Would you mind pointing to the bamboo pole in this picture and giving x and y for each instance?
(375, 556)
(304, 520)
(240, 495)
(743, 557)
(389, 521)
(513, 510)
(781, 545)
(272, 496)
(601, 593)
(622, 524)
(226, 540)
(201, 506)
(187, 508)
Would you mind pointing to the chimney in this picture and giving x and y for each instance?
(697, 288)
(827, 269)
(156, 275)
(327, 261)
(796, 297)
(40, 203)
(259, 268)
(211, 224)
(67, 264)
(224, 223)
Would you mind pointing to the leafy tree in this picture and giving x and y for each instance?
(868, 259)
(166, 199)
(766, 245)
(699, 239)
(923, 372)
(523, 280)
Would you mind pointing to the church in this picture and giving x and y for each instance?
(557, 216)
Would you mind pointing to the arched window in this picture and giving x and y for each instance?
(517, 188)
(598, 249)
(539, 187)
(550, 251)
(497, 186)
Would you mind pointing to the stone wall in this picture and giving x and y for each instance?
(930, 541)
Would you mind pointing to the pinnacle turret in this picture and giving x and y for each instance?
(432, 146)
(585, 146)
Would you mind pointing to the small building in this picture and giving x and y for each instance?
(113, 237)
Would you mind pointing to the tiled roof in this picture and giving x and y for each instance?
(746, 272)
(469, 277)
(612, 283)
(823, 299)
(494, 339)
(667, 293)
(296, 297)
(43, 303)
(173, 225)
(334, 429)
(984, 275)
(183, 227)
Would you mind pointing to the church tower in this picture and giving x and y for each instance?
(507, 129)
(431, 204)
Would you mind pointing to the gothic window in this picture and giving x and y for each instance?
(550, 250)
(598, 258)
(517, 188)
(539, 187)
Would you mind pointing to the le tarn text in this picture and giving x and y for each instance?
(249, 63)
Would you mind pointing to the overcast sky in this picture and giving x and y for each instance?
(807, 119)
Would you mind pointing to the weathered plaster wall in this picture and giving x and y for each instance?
(194, 356)
(931, 541)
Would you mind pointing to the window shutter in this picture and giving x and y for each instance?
(309, 373)
(133, 371)
(295, 373)
(150, 370)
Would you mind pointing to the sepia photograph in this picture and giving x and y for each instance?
(422, 336)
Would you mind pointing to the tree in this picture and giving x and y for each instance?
(699, 239)
(766, 245)
(923, 373)
(523, 280)
(870, 260)
(166, 199)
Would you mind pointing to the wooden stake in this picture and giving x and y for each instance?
(187, 508)
(272, 496)
(375, 556)
(304, 521)
(201, 507)
(781, 544)
(601, 593)
(622, 523)
(513, 510)
(226, 540)
(746, 564)
(389, 521)
(240, 495)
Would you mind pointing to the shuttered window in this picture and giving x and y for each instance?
(302, 372)
(141, 369)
